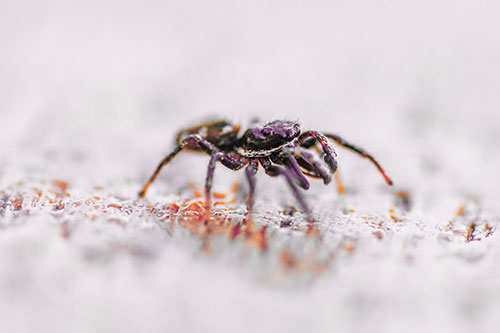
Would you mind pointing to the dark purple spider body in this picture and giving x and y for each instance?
(262, 140)
(280, 147)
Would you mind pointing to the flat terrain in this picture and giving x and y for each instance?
(91, 98)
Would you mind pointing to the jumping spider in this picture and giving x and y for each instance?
(279, 146)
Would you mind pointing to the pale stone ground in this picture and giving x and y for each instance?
(92, 96)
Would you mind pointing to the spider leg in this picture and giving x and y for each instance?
(189, 141)
(330, 154)
(311, 164)
(308, 141)
(164, 162)
(289, 161)
(227, 161)
(250, 172)
(287, 158)
(360, 151)
(319, 171)
(276, 170)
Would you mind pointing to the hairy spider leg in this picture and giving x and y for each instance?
(289, 161)
(189, 140)
(308, 168)
(311, 164)
(360, 151)
(310, 142)
(164, 162)
(250, 172)
(330, 154)
(274, 171)
(227, 161)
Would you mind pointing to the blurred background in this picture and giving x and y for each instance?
(93, 92)
(134, 71)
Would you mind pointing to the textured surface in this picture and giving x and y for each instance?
(91, 98)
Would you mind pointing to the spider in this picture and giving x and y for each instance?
(280, 147)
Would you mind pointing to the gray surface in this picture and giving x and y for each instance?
(92, 95)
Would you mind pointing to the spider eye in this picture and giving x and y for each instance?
(267, 131)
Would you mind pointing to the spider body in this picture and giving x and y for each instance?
(219, 133)
(280, 147)
(261, 141)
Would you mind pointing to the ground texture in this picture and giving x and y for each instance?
(88, 255)
(91, 99)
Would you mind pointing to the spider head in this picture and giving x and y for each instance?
(270, 135)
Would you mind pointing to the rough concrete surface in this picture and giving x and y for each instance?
(92, 94)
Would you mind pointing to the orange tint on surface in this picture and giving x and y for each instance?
(403, 200)
(313, 232)
(117, 206)
(260, 239)
(207, 223)
(218, 195)
(310, 264)
(17, 203)
(235, 187)
(173, 207)
(38, 192)
(340, 186)
(62, 186)
(350, 246)
(64, 229)
(234, 231)
(469, 236)
(287, 260)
